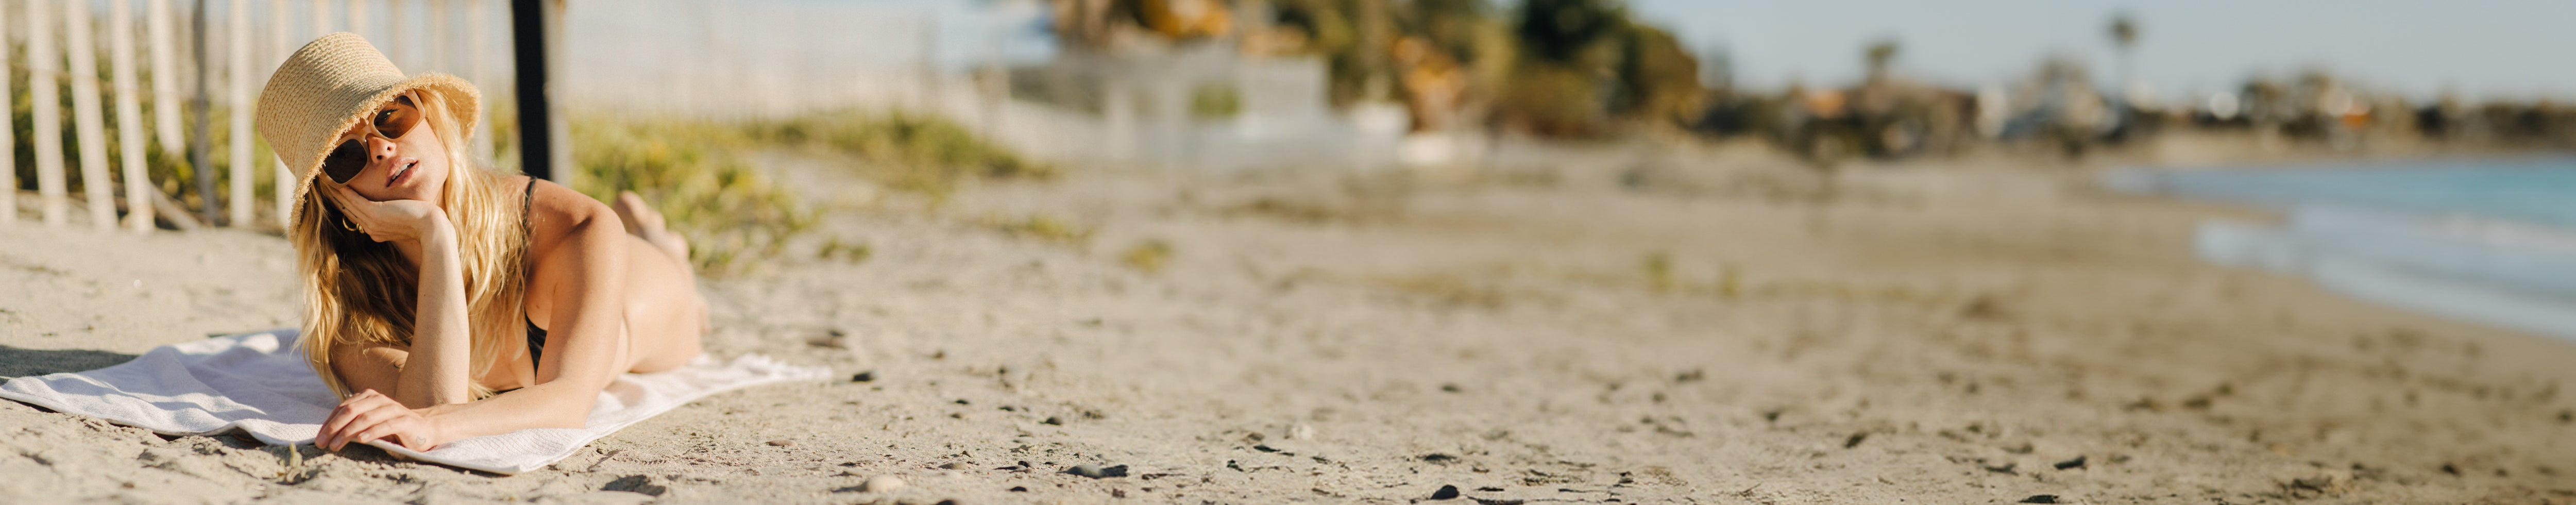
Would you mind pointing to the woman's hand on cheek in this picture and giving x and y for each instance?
(390, 220)
(369, 416)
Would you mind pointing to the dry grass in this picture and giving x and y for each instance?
(906, 152)
(1040, 227)
(1148, 256)
(848, 252)
(737, 217)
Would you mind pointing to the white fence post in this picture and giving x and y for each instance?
(44, 82)
(129, 115)
(165, 77)
(237, 97)
(89, 116)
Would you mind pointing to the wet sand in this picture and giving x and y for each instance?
(1703, 327)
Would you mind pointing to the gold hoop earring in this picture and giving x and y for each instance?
(345, 225)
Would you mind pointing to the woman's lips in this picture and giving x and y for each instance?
(402, 171)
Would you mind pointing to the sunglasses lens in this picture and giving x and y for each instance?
(345, 162)
(397, 118)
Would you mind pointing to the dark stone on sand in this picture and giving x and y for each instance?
(2078, 462)
(1098, 472)
(1058, 421)
(1439, 458)
(1019, 489)
(953, 466)
(1453, 388)
(962, 401)
(1024, 463)
(1445, 493)
(636, 484)
(866, 376)
(2040, 498)
(1855, 439)
(1490, 489)
(1265, 448)
(782, 442)
(950, 501)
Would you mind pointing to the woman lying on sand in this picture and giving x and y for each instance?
(444, 300)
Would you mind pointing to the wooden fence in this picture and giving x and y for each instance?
(215, 54)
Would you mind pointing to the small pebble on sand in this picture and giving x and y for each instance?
(866, 376)
(2078, 462)
(1445, 493)
(1098, 472)
(2040, 498)
(881, 483)
(782, 442)
(1058, 421)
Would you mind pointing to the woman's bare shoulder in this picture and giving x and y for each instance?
(559, 206)
(555, 211)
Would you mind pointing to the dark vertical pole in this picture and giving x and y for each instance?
(529, 46)
(197, 147)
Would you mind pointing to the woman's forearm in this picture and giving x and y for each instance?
(442, 343)
(558, 404)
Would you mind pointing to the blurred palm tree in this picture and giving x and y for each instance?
(2124, 33)
(1879, 55)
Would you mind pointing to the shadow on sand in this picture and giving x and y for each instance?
(18, 362)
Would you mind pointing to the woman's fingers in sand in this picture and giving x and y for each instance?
(405, 428)
(368, 416)
(342, 416)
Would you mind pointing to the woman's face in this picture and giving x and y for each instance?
(402, 159)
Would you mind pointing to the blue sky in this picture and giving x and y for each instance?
(2479, 48)
(2514, 49)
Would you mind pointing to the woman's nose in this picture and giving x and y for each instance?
(382, 148)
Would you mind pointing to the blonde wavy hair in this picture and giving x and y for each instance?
(358, 291)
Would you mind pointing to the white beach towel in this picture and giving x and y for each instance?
(258, 382)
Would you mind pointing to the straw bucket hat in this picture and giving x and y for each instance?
(332, 84)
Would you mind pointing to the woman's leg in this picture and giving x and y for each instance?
(665, 316)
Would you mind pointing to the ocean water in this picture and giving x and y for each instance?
(2492, 241)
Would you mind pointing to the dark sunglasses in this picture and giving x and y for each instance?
(392, 121)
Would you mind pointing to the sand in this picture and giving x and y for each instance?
(1637, 325)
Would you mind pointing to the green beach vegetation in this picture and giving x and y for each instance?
(736, 215)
